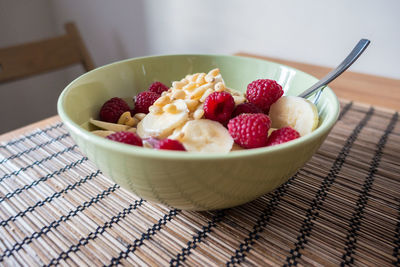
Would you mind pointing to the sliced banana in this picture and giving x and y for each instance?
(238, 96)
(109, 126)
(161, 125)
(177, 134)
(132, 130)
(102, 133)
(234, 92)
(271, 130)
(297, 112)
(204, 136)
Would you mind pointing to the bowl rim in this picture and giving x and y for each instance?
(185, 155)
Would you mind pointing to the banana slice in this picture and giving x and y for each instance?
(297, 112)
(102, 133)
(234, 92)
(204, 136)
(109, 126)
(238, 96)
(161, 125)
(271, 130)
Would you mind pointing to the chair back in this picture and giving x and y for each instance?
(33, 58)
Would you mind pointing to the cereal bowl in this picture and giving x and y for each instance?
(189, 180)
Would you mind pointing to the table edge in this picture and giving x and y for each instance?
(30, 127)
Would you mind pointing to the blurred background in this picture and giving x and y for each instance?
(309, 31)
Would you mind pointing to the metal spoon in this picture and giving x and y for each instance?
(347, 62)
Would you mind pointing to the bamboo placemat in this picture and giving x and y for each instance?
(342, 208)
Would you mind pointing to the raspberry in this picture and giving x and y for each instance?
(250, 130)
(158, 87)
(282, 135)
(144, 100)
(170, 144)
(113, 109)
(126, 137)
(219, 106)
(246, 108)
(263, 93)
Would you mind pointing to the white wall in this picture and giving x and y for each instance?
(318, 32)
(32, 99)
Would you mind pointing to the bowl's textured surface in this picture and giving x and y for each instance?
(181, 179)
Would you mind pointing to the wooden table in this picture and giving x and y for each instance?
(360, 88)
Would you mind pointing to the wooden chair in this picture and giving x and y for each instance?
(33, 58)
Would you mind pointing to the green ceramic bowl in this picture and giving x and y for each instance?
(188, 180)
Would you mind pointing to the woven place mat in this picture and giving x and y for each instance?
(342, 208)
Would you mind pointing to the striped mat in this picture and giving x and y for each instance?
(341, 208)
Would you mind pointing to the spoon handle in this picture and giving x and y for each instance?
(350, 59)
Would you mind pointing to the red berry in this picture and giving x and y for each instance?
(158, 87)
(126, 137)
(246, 108)
(170, 144)
(263, 93)
(282, 135)
(219, 106)
(250, 130)
(113, 109)
(144, 100)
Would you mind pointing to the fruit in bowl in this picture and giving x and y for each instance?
(193, 180)
(193, 113)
